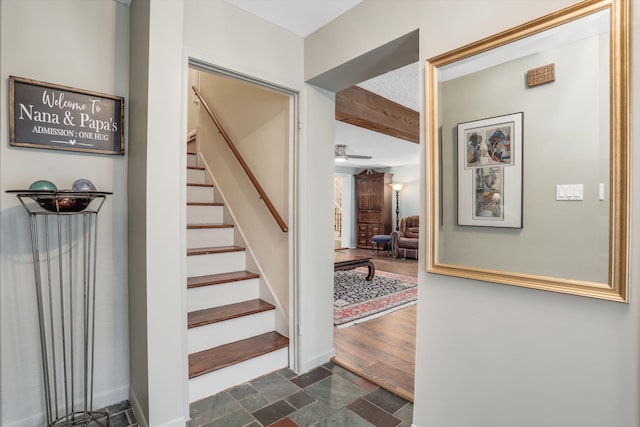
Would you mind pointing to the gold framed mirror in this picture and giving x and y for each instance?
(528, 154)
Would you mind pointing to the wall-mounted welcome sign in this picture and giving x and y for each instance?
(43, 115)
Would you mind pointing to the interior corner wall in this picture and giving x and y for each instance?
(137, 213)
(158, 333)
(91, 54)
(491, 355)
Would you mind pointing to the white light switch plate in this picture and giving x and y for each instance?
(570, 192)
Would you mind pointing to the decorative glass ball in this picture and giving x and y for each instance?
(43, 185)
(83, 185)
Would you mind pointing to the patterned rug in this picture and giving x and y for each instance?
(355, 300)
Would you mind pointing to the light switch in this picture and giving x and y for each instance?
(570, 192)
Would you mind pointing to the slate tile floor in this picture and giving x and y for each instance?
(327, 396)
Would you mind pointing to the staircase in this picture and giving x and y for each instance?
(231, 331)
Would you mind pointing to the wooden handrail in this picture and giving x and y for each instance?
(244, 165)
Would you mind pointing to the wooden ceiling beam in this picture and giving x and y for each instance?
(365, 109)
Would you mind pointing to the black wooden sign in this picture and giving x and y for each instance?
(44, 115)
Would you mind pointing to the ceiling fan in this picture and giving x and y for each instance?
(342, 156)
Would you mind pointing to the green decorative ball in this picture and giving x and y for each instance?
(43, 185)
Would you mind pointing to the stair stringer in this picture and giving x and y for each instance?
(265, 288)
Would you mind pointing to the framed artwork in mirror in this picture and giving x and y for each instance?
(491, 218)
(490, 172)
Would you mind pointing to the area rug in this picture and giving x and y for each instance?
(355, 300)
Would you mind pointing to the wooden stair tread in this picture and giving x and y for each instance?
(214, 250)
(220, 357)
(216, 279)
(227, 312)
(204, 204)
(210, 225)
(194, 184)
(191, 153)
(199, 168)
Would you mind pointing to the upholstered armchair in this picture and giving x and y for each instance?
(404, 243)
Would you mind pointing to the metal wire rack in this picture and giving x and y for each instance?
(63, 231)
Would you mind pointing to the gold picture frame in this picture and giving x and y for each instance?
(509, 256)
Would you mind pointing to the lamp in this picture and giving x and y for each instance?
(397, 187)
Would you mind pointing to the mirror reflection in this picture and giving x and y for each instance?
(523, 161)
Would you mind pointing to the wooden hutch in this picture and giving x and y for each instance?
(374, 205)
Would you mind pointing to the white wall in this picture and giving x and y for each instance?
(83, 45)
(157, 210)
(490, 354)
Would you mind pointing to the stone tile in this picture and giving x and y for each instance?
(287, 373)
(274, 387)
(300, 399)
(273, 412)
(311, 377)
(335, 392)
(242, 391)
(285, 422)
(311, 413)
(239, 418)
(386, 400)
(405, 413)
(254, 402)
(344, 417)
(213, 407)
(365, 384)
(117, 407)
(354, 378)
(119, 420)
(373, 414)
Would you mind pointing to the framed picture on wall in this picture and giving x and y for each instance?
(490, 172)
(56, 117)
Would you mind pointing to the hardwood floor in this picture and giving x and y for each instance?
(382, 349)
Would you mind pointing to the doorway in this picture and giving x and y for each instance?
(376, 336)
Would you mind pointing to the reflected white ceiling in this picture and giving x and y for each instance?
(303, 17)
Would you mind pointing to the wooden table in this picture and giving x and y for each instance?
(349, 262)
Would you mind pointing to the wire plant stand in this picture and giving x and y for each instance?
(63, 227)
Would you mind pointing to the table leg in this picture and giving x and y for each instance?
(372, 271)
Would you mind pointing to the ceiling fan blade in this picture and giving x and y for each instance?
(353, 156)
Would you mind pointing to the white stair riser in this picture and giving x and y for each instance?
(225, 293)
(204, 214)
(192, 160)
(220, 333)
(208, 237)
(195, 176)
(199, 194)
(226, 262)
(222, 379)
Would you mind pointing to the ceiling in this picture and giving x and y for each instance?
(303, 17)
